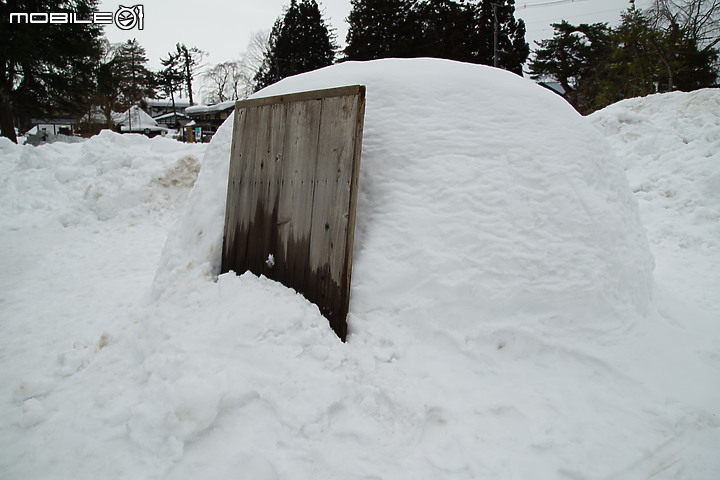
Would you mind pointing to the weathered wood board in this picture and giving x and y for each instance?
(292, 192)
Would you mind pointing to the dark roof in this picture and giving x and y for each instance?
(554, 86)
(170, 115)
(53, 121)
(205, 109)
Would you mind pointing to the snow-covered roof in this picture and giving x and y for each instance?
(166, 102)
(218, 107)
(170, 115)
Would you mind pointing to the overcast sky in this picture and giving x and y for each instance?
(223, 27)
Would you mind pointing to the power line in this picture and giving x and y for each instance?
(547, 4)
(588, 14)
(582, 15)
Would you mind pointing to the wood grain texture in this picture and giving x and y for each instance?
(292, 192)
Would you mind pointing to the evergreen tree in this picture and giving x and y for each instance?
(447, 29)
(47, 69)
(463, 31)
(123, 80)
(300, 41)
(632, 70)
(686, 41)
(136, 80)
(598, 66)
(189, 60)
(576, 57)
(379, 29)
(512, 49)
(169, 79)
(649, 59)
(109, 80)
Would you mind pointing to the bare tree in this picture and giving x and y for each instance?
(698, 19)
(253, 58)
(233, 80)
(224, 82)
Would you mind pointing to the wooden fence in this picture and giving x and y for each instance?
(292, 192)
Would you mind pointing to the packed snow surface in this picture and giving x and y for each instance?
(670, 145)
(504, 319)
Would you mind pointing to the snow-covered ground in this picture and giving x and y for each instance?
(505, 319)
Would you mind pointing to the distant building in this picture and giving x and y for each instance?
(54, 126)
(206, 119)
(47, 130)
(172, 120)
(160, 106)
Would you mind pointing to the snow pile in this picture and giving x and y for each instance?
(671, 147)
(495, 197)
(107, 176)
(501, 326)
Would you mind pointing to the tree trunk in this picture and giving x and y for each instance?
(107, 111)
(7, 126)
(188, 78)
(172, 97)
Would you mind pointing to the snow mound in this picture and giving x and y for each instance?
(671, 147)
(481, 195)
(468, 175)
(105, 177)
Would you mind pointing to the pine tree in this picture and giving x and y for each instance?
(109, 80)
(512, 49)
(632, 70)
(136, 79)
(649, 59)
(170, 78)
(300, 41)
(47, 69)
(379, 29)
(598, 66)
(189, 59)
(576, 57)
(123, 79)
(463, 31)
(447, 29)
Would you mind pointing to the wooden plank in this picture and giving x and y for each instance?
(272, 168)
(296, 192)
(292, 193)
(236, 229)
(257, 190)
(246, 209)
(231, 217)
(329, 227)
(301, 96)
(352, 208)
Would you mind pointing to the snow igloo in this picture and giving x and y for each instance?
(483, 197)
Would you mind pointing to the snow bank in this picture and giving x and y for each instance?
(499, 278)
(108, 176)
(481, 195)
(670, 144)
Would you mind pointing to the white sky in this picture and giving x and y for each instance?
(223, 27)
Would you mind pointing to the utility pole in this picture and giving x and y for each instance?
(496, 34)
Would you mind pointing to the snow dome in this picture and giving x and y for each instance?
(482, 196)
